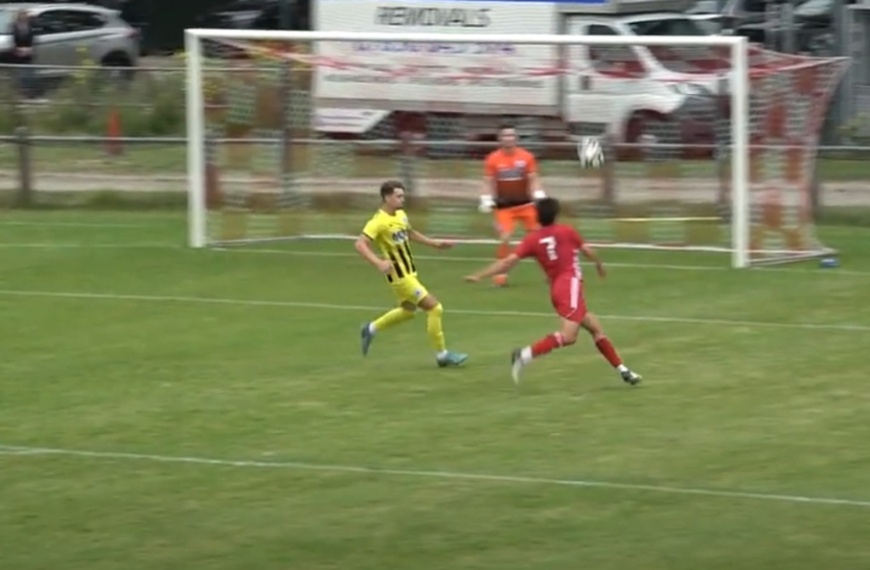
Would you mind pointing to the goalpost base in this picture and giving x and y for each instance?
(795, 257)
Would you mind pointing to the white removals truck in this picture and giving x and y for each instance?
(468, 88)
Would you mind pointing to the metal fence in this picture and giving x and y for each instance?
(83, 171)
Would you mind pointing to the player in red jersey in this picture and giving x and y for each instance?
(556, 247)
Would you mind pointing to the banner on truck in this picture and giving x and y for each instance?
(447, 72)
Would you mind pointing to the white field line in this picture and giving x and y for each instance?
(413, 473)
(76, 295)
(107, 225)
(442, 258)
(61, 246)
(676, 267)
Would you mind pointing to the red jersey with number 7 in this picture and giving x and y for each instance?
(556, 248)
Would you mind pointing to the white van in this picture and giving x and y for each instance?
(455, 91)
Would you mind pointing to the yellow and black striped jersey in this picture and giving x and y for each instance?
(391, 234)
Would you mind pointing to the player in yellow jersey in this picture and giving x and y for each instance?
(390, 230)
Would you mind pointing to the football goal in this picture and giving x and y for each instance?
(711, 143)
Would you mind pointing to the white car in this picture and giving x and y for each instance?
(69, 35)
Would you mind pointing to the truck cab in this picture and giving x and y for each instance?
(628, 91)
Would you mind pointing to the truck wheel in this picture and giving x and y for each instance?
(648, 124)
(662, 132)
(445, 128)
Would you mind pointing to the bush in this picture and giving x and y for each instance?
(151, 102)
(857, 130)
(148, 103)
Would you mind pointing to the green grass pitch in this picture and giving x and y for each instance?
(168, 408)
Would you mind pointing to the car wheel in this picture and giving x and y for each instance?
(118, 68)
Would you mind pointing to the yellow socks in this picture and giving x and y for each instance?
(434, 328)
(399, 315)
(390, 319)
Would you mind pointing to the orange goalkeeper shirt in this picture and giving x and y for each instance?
(511, 172)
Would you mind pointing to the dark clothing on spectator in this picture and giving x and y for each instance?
(21, 55)
(22, 37)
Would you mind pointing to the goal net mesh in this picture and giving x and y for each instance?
(299, 135)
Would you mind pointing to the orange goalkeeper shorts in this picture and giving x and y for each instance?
(506, 219)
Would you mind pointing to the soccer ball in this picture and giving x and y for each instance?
(590, 152)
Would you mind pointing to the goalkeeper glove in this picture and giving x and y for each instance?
(486, 204)
(538, 195)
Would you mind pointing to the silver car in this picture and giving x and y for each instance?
(73, 34)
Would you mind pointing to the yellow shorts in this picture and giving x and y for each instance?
(409, 290)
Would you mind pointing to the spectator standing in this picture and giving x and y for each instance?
(22, 52)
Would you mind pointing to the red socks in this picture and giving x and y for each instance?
(606, 349)
(553, 341)
(547, 344)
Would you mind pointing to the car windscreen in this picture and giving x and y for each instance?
(682, 58)
(6, 19)
(667, 27)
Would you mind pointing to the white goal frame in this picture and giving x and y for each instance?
(738, 82)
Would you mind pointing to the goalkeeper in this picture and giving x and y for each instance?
(511, 185)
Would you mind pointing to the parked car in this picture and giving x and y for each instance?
(68, 35)
(134, 12)
(811, 30)
(738, 13)
(255, 15)
(250, 15)
(706, 14)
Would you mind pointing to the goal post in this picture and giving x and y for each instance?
(266, 164)
(196, 161)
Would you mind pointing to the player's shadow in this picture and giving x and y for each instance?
(616, 388)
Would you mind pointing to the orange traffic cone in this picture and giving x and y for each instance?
(113, 133)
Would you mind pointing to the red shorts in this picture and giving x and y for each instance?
(506, 219)
(566, 294)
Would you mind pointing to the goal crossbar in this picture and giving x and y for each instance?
(523, 39)
(737, 78)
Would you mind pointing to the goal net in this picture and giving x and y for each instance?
(710, 143)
